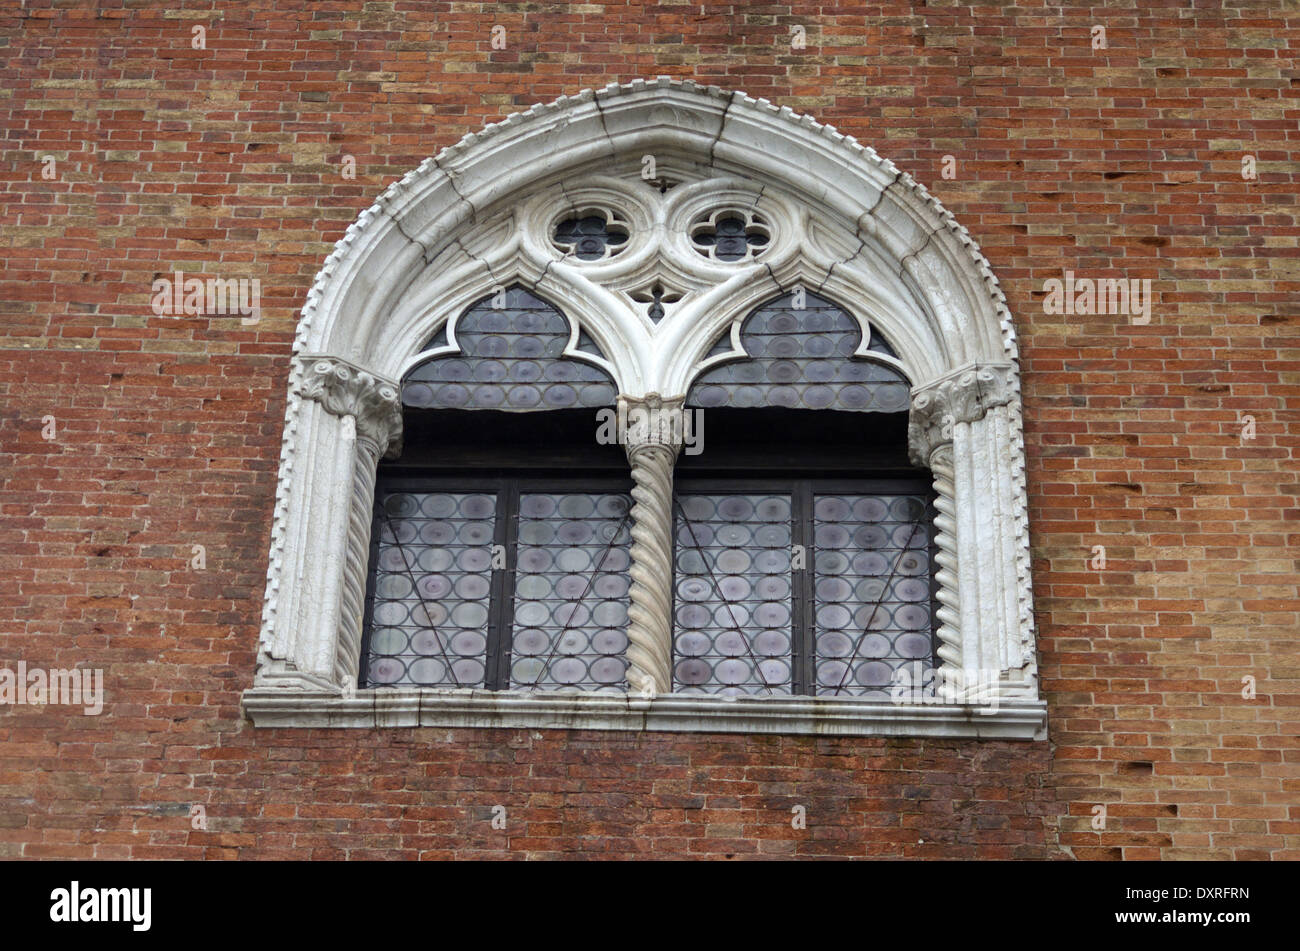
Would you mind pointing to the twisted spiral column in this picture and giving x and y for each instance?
(368, 411)
(353, 594)
(945, 526)
(652, 446)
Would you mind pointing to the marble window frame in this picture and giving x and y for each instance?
(476, 217)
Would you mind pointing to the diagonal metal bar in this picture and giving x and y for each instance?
(582, 597)
(423, 603)
(725, 600)
(866, 628)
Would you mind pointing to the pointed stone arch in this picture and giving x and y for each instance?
(480, 215)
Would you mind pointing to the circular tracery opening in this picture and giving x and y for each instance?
(728, 235)
(592, 235)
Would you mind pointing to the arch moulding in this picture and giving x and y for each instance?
(478, 216)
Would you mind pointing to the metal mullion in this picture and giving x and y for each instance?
(502, 592)
(802, 634)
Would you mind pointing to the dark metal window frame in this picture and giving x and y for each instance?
(802, 489)
(507, 486)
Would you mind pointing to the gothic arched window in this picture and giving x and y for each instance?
(693, 414)
(491, 566)
(811, 575)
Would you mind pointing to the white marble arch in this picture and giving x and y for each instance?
(658, 155)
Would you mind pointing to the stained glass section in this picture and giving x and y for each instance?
(433, 578)
(734, 605)
(872, 593)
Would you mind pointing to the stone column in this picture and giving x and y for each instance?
(347, 419)
(652, 439)
(960, 428)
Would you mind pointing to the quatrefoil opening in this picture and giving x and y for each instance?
(730, 235)
(591, 235)
(656, 295)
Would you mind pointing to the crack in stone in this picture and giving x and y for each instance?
(604, 127)
(778, 284)
(722, 127)
(898, 173)
(541, 277)
(455, 188)
(857, 231)
(426, 254)
(573, 208)
(474, 257)
(902, 261)
(862, 243)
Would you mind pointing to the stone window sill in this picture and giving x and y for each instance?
(1016, 719)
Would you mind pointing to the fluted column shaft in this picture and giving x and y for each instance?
(960, 429)
(349, 418)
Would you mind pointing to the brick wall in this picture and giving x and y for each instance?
(127, 439)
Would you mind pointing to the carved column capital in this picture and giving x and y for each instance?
(652, 422)
(345, 390)
(961, 397)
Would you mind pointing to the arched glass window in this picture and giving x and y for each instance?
(509, 355)
(455, 535)
(803, 357)
(815, 576)
(493, 566)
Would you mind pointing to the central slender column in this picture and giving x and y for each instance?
(653, 435)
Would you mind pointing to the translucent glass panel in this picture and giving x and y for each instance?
(733, 604)
(571, 592)
(802, 359)
(458, 600)
(802, 592)
(511, 359)
(731, 238)
(590, 238)
(429, 613)
(872, 592)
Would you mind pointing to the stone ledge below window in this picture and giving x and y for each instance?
(575, 710)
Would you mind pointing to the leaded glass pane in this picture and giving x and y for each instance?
(742, 625)
(872, 592)
(433, 574)
(803, 359)
(733, 595)
(589, 238)
(571, 591)
(511, 358)
(731, 239)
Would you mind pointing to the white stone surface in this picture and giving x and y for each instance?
(576, 710)
(845, 223)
